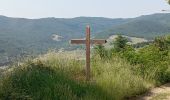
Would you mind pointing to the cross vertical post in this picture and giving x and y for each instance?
(88, 42)
(88, 53)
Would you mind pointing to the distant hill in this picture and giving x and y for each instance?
(21, 36)
(147, 26)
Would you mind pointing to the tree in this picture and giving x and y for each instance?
(120, 43)
(160, 43)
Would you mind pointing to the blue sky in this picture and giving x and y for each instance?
(76, 8)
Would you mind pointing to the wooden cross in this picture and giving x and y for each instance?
(87, 41)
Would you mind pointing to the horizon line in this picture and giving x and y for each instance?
(81, 17)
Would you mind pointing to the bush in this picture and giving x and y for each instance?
(120, 43)
(153, 59)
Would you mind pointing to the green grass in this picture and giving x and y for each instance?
(61, 77)
(115, 75)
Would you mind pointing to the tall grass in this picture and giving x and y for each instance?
(117, 78)
(59, 76)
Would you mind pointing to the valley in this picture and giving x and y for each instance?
(20, 37)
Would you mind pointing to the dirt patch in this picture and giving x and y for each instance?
(159, 93)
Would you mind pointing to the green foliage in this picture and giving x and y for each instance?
(120, 43)
(117, 79)
(21, 37)
(115, 75)
(36, 81)
(168, 40)
(59, 77)
(161, 43)
(147, 26)
(101, 51)
(130, 54)
(142, 44)
(153, 59)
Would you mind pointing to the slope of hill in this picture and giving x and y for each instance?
(61, 76)
(55, 76)
(147, 26)
(116, 74)
(20, 36)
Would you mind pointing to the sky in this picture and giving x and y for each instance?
(77, 8)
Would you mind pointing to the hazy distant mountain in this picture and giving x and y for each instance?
(147, 26)
(18, 36)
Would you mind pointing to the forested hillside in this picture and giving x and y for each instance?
(147, 26)
(20, 36)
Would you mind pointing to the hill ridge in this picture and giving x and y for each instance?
(20, 36)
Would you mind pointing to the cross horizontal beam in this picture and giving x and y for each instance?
(87, 42)
(82, 41)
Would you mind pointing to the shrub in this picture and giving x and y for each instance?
(120, 43)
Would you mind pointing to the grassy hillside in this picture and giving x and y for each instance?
(51, 77)
(115, 75)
